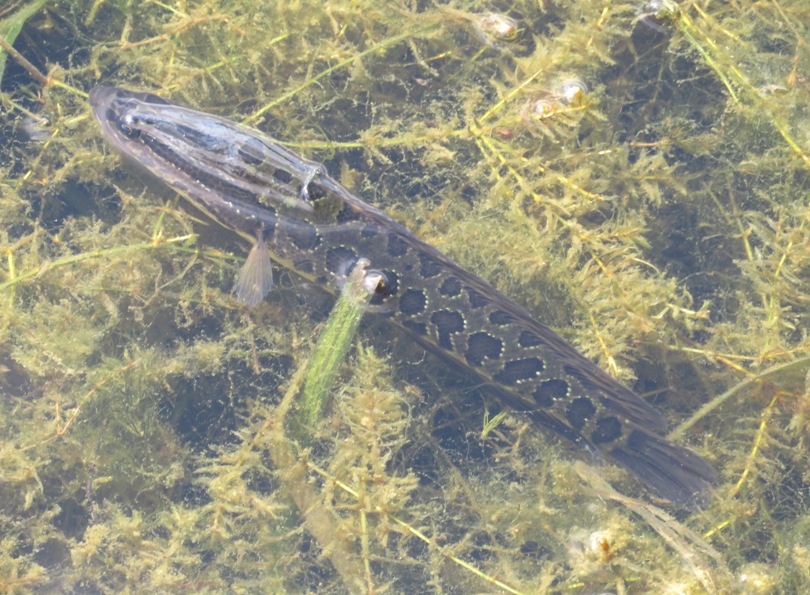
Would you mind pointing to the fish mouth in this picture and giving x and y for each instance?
(99, 96)
(103, 105)
(103, 98)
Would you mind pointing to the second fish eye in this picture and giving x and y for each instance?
(128, 130)
(126, 126)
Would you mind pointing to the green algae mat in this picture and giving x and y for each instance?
(637, 175)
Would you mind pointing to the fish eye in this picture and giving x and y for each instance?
(125, 127)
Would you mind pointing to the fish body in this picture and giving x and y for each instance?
(294, 212)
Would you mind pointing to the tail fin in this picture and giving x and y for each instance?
(673, 471)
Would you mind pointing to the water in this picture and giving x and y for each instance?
(658, 221)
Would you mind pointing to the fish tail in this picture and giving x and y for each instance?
(673, 471)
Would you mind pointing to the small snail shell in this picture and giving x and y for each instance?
(599, 543)
(498, 28)
(538, 109)
(661, 9)
(657, 14)
(573, 91)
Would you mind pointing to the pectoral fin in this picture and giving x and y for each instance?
(255, 279)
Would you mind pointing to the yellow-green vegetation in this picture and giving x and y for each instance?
(335, 341)
(658, 218)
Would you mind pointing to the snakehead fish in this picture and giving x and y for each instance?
(299, 216)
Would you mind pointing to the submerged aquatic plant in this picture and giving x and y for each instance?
(656, 215)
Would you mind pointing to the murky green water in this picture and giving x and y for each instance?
(658, 219)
